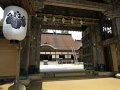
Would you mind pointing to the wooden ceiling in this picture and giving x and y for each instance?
(57, 10)
(36, 5)
(92, 9)
(77, 4)
(75, 8)
(26, 4)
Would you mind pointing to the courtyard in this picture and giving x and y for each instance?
(83, 84)
(53, 66)
(79, 84)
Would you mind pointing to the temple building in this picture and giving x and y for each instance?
(56, 46)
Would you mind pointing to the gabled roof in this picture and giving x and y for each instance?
(60, 41)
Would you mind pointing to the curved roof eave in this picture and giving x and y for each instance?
(49, 46)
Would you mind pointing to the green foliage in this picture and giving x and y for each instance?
(64, 32)
(44, 30)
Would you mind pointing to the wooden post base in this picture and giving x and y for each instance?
(35, 85)
(21, 87)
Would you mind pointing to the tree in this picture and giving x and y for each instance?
(44, 30)
(64, 32)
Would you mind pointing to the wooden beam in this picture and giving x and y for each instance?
(58, 27)
(79, 4)
(109, 41)
(113, 13)
(50, 20)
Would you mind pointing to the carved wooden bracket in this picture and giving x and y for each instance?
(113, 12)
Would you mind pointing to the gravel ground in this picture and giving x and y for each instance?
(83, 84)
(5, 86)
(61, 68)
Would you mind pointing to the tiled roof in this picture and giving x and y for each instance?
(60, 41)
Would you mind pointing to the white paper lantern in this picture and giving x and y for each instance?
(15, 23)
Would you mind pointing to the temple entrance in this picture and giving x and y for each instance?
(100, 37)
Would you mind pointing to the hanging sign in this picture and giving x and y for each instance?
(15, 23)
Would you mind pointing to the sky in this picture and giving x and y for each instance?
(75, 35)
(1, 13)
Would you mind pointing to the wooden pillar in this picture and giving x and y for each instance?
(28, 44)
(34, 46)
(38, 35)
(97, 48)
(118, 55)
(40, 30)
(115, 16)
(116, 31)
(35, 85)
(94, 45)
(114, 57)
(25, 52)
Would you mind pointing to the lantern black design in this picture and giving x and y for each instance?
(15, 23)
(16, 20)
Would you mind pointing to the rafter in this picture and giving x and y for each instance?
(50, 21)
(79, 4)
(67, 19)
